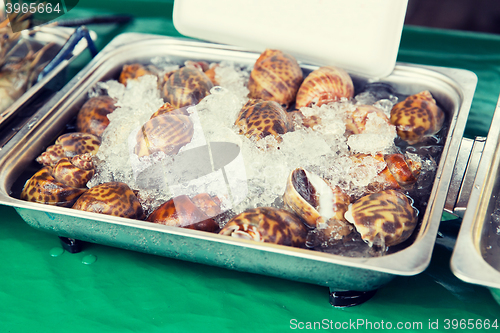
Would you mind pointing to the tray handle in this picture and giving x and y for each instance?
(67, 49)
(462, 179)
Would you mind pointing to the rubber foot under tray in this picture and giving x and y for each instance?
(343, 299)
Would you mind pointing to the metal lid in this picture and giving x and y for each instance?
(361, 36)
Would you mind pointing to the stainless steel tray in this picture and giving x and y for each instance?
(42, 36)
(478, 243)
(453, 88)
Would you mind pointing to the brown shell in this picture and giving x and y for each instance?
(276, 76)
(92, 117)
(43, 188)
(324, 85)
(267, 224)
(356, 122)
(132, 72)
(76, 172)
(404, 170)
(196, 213)
(69, 145)
(167, 131)
(384, 218)
(112, 198)
(186, 86)
(258, 119)
(417, 117)
(60, 185)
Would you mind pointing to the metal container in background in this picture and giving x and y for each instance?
(19, 113)
(452, 88)
(476, 256)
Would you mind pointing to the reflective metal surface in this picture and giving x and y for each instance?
(452, 88)
(476, 256)
(23, 105)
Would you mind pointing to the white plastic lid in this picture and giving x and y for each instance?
(361, 36)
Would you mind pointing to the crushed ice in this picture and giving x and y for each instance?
(257, 177)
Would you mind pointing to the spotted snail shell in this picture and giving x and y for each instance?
(113, 198)
(69, 145)
(186, 86)
(324, 85)
(417, 117)
(315, 201)
(167, 131)
(276, 76)
(192, 213)
(267, 224)
(258, 119)
(385, 218)
(92, 117)
(62, 184)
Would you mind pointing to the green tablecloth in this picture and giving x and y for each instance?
(42, 290)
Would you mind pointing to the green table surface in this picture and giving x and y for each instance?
(44, 290)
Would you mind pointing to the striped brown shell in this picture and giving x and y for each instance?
(168, 131)
(112, 198)
(186, 86)
(258, 119)
(324, 85)
(276, 76)
(417, 117)
(132, 72)
(62, 184)
(69, 145)
(92, 117)
(192, 213)
(385, 218)
(267, 224)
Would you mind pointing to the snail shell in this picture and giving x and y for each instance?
(92, 117)
(315, 201)
(385, 218)
(167, 131)
(186, 86)
(196, 213)
(132, 72)
(62, 184)
(400, 171)
(404, 170)
(258, 119)
(202, 66)
(69, 145)
(417, 117)
(356, 123)
(267, 224)
(112, 198)
(324, 85)
(276, 76)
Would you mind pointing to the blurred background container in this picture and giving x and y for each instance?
(471, 15)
